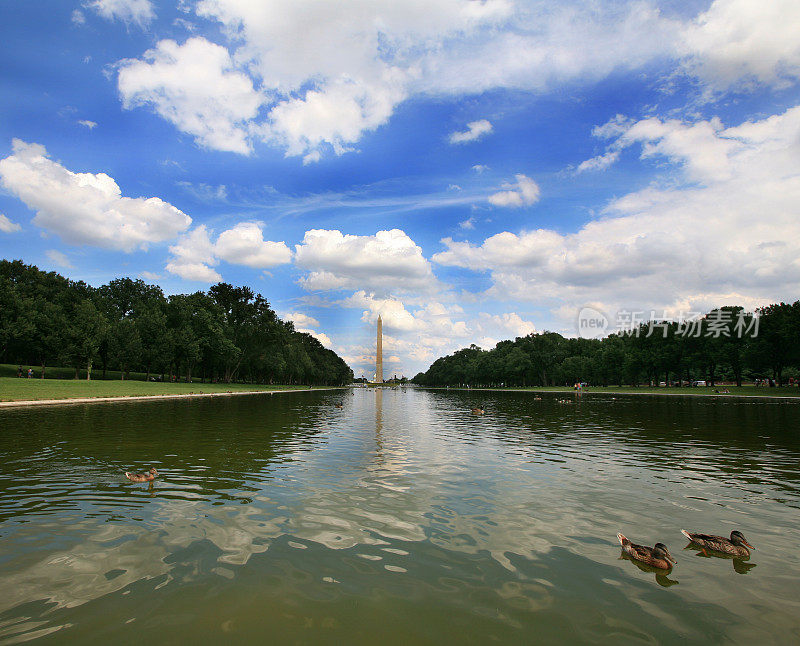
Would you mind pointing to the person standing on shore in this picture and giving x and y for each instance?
(19, 371)
(30, 373)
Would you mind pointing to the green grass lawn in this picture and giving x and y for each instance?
(785, 391)
(13, 389)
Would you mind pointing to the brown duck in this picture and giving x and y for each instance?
(735, 545)
(657, 556)
(142, 477)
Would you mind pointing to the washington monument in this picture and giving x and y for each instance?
(379, 354)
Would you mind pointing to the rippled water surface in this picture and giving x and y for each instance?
(398, 518)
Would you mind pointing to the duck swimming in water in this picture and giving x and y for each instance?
(480, 410)
(142, 477)
(736, 545)
(657, 556)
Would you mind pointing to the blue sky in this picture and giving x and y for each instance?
(472, 170)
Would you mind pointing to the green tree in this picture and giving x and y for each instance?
(86, 328)
(125, 345)
(151, 324)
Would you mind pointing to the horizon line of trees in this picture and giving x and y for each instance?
(727, 344)
(225, 334)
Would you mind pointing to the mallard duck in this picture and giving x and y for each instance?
(337, 405)
(735, 545)
(142, 477)
(480, 410)
(657, 556)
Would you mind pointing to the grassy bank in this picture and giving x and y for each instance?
(743, 391)
(13, 389)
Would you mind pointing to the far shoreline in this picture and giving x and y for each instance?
(620, 391)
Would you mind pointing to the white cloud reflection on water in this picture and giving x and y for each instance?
(386, 500)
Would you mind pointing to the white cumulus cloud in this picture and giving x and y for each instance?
(326, 73)
(59, 258)
(722, 226)
(600, 162)
(475, 130)
(523, 192)
(304, 323)
(336, 115)
(301, 320)
(392, 311)
(86, 208)
(387, 261)
(329, 72)
(7, 226)
(739, 42)
(196, 87)
(193, 257)
(413, 336)
(244, 244)
(508, 322)
(195, 254)
(418, 336)
(138, 11)
(335, 70)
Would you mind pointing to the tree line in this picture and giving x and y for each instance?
(225, 334)
(727, 344)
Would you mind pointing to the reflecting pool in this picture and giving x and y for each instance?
(400, 517)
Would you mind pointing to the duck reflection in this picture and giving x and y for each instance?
(740, 564)
(662, 576)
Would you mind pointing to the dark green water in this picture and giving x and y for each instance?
(399, 518)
